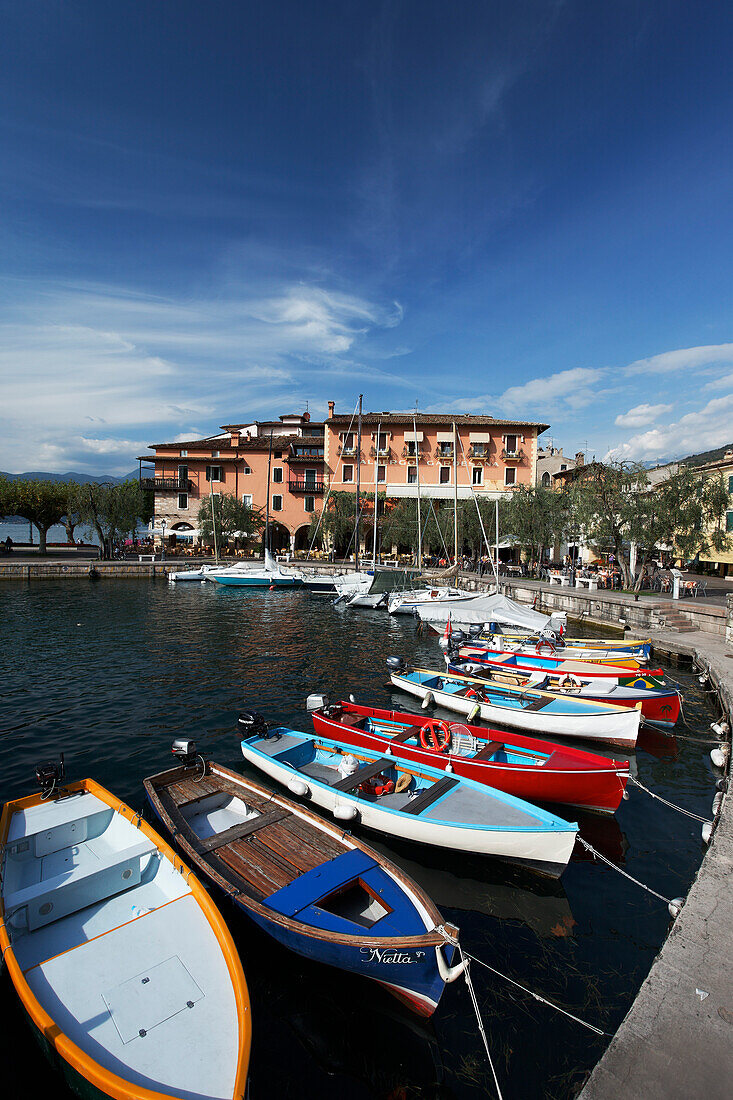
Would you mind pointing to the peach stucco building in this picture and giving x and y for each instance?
(399, 453)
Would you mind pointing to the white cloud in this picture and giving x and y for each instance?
(574, 389)
(123, 362)
(698, 431)
(641, 415)
(682, 359)
(725, 382)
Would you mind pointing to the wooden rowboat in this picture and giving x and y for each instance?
(312, 887)
(119, 957)
(526, 767)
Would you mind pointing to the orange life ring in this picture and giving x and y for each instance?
(435, 735)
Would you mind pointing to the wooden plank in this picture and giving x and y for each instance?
(538, 703)
(351, 782)
(265, 877)
(327, 844)
(302, 855)
(489, 750)
(245, 828)
(432, 794)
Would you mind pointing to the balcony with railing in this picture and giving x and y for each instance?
(384, 454)
(413, 452)
(516, 455)
(349, 451)
(444, 450)
(306, 485)
(479, 452)
(167, 485)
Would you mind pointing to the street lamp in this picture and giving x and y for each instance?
(163, 525)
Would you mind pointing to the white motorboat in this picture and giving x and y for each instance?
(269, 575)
(481, 610)
(407, 603)
(120, 958)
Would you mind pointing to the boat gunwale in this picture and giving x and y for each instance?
(429, 938)
(107, 1082)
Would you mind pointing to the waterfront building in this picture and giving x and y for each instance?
(399, 453)
(551, 461)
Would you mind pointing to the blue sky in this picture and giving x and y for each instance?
(210, 212)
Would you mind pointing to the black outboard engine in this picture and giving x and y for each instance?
(185, 749)
(252, 724)
(476, 629)
(50, 775)
(396, 664)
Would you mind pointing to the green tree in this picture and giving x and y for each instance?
(42, 503)
(233, 519)
(616, 506)
(338, 520)
(112, 510)
(537, 517)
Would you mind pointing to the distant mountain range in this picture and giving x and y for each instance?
(707, 456)
(81, 479)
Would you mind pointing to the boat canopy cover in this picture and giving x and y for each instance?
(485, 609)
(389, 580)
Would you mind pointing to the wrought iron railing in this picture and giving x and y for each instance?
(167, 484)
(306, 486)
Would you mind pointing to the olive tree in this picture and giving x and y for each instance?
(232, 518)
(42, 503)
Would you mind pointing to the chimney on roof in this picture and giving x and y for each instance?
(331, 407)
(579, 458)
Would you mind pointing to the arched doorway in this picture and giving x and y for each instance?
(279, 538)
(303, 539)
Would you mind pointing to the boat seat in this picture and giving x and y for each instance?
(92, 880)
(352, 720)
(351, 782)
(488, 751)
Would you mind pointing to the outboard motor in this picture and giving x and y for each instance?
(50, 775)
(476, 629)
(396, 664)
(185, 749)
(252, 724)
(316, 702)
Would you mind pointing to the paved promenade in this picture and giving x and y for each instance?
(676, 1041)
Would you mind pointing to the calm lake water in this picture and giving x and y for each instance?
(109, 673)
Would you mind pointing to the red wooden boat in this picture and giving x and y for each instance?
(527, 767)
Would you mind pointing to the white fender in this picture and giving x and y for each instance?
(719, 756)
(707, 832)
(297, 786)
(474, 713)
(345, 811)
(428, 700)
(448, 973)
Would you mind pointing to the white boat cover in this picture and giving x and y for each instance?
(484, 609)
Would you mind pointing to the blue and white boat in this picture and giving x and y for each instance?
(419, 803)
(311, 886)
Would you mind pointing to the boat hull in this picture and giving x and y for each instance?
(612, 726)
(569, 776)
(258, 581)
(545, 850)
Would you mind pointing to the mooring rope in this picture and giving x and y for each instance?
(466, 960)
(597, 855)
(538, 996)
(672, 806)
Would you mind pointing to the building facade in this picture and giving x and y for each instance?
(293, 462)
(722, 560)
(551, 461)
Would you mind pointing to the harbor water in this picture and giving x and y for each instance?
(109, 673)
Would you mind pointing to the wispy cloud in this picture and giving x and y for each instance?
(76, 356)
(641, 415)
(682, 359)
(572, 389)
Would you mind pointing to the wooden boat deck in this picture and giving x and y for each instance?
(260, 856)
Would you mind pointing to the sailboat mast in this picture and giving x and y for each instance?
(376, 471)
(419, 517)
(267, 509)
(455, 495)
(358, 489)
(213, 525)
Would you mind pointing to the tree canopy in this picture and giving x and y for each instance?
(112, 510)
(42, 503)
(233, 519)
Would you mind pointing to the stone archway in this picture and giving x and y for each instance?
(303, 539)
(279, 538)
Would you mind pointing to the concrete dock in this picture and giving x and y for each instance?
(677, 1038)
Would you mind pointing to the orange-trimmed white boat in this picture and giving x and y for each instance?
(118, 954)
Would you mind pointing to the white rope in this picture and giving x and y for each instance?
(538, 997)
(467, 975)
(672, 806)
(597, 855)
